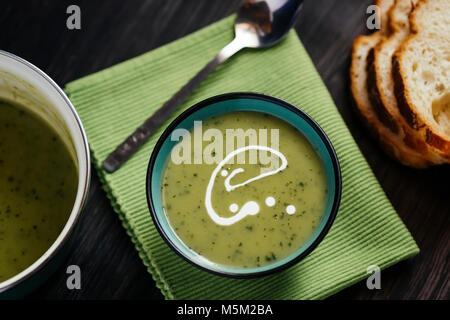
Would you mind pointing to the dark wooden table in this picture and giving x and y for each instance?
(115, 30)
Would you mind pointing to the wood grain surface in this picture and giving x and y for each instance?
(115, 30)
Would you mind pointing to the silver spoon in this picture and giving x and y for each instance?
(259, 24)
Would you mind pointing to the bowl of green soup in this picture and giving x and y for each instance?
(243, 185)
(44, 175)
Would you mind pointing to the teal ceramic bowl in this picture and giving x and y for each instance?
(243, 102)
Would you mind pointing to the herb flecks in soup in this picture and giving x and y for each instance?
(247, 214)
(38, 182)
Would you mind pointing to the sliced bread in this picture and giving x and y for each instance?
(390, 142)
(421, 71)
(381, 84)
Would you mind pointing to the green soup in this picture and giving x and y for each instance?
(225, 214)
(38, 184)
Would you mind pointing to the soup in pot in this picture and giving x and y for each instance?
(38, 185)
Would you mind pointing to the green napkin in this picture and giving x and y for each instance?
(113, 102)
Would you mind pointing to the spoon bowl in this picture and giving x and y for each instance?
(263, 23)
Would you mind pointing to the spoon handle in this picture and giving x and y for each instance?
(123, 151)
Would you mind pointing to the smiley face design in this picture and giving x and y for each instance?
(250, 207)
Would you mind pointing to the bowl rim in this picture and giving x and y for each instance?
(258, 96)
(74, 217)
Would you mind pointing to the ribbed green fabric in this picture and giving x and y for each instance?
(113, 102)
